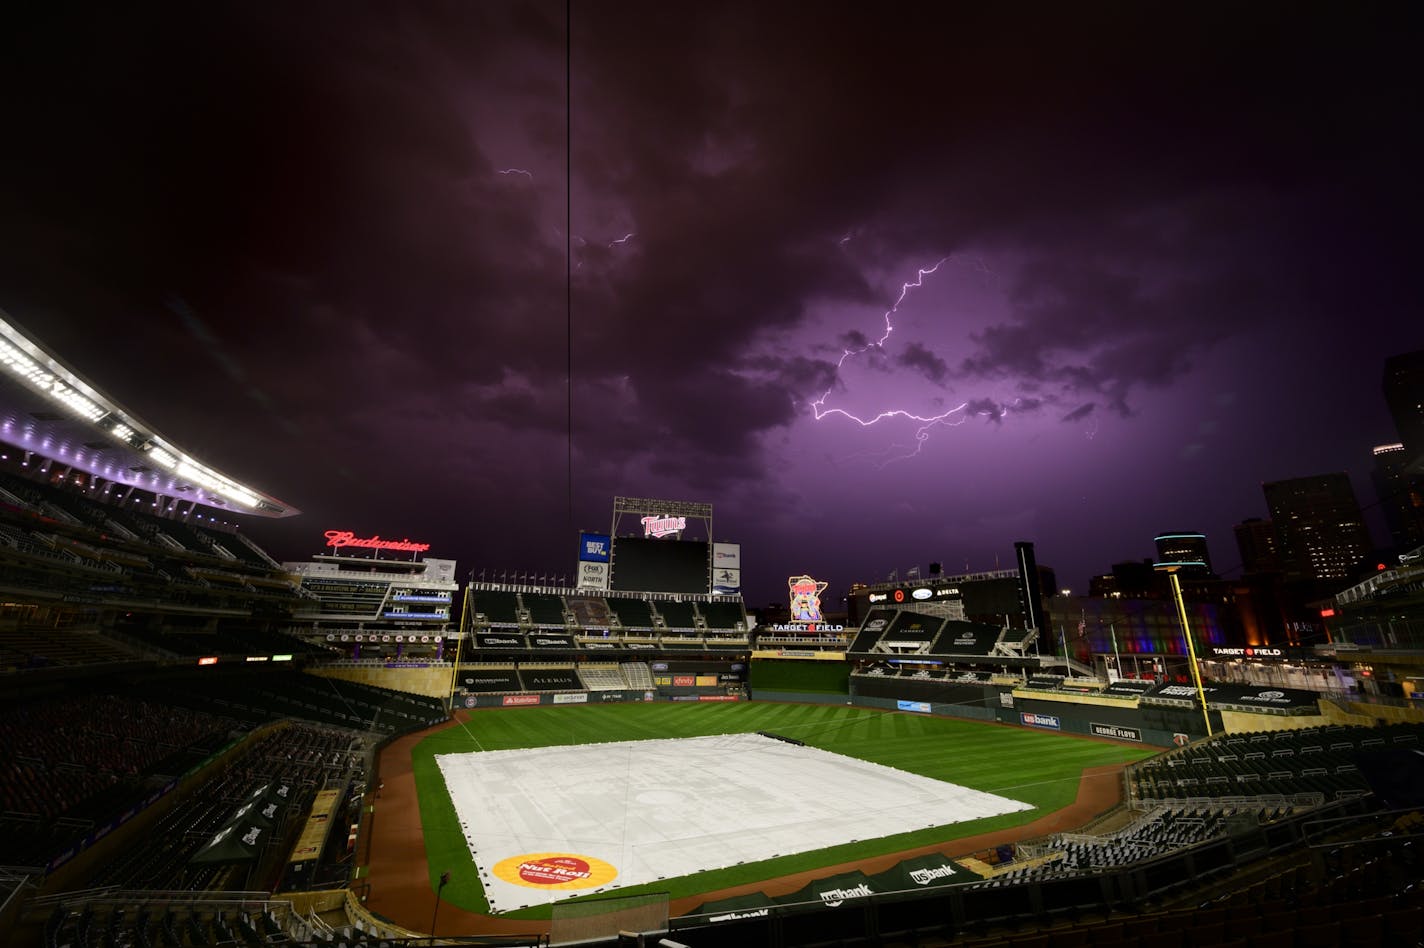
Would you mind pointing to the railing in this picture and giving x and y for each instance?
(1296, 800)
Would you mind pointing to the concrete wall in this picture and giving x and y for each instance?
(1242, 722)
(1387, 713)
(430, 682)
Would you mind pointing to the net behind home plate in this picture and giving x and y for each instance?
(605, 918)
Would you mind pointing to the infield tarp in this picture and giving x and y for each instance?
(549, 823)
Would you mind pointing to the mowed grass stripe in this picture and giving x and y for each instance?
(1038, 768)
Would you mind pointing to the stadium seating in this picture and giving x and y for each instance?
(601, 677)
(723, 615)
(638, 675)
(544, 609)
(631, 613)
(1322, 761)
(498, 607)
(590, 612)
(74, 544)
(308, 697)
(677, 616)
(28, 649)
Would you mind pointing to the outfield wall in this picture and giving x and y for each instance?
(576, 698)
(973, 698)
(796, 675)
(1070, 714)
(799, 697)
(1156, 726)
(938, 708)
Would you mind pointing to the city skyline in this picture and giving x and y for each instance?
(908, 293)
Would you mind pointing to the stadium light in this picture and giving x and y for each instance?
(444, 878)
(29, 363)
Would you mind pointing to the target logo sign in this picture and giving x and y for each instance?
(899, 595)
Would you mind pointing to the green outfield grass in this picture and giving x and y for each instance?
(1038, 768)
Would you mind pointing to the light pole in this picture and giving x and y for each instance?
(1171, 571)
(444, 878)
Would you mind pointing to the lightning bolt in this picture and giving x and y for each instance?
(952, 417)
(621, 240)
(517, 171)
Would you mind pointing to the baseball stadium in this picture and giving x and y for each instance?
(209, 748)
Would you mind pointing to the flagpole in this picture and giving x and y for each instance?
(1116, 657)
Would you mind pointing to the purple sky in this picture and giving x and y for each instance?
(322, 246)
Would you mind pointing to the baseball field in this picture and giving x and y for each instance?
(1041, 770)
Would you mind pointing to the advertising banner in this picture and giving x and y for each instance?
(922, 872)
(592, 575)
(1130, 687)
(914, 594)
(706, 681)
(1259, 653)
(1260, 696)
(1040, 720)
(594, 547)
(727, 555)
(1115, 731)
(799, 653)
(726, 581)
(489, 640)
(684, 681)
(919, 707)
(512, 700)
(575, 697)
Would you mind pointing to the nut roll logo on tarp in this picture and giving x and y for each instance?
(555, 871)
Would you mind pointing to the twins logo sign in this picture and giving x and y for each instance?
(805, 598)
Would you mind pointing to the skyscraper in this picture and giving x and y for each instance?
(1319, 526)
(1256, 542)
(1404, 394)
(1401, 496)
(1185, 549)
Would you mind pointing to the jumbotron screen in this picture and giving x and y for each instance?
(647, 565)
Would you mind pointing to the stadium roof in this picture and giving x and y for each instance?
(49, 410)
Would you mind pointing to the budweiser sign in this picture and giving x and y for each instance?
(339, 538)
(663, 526)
